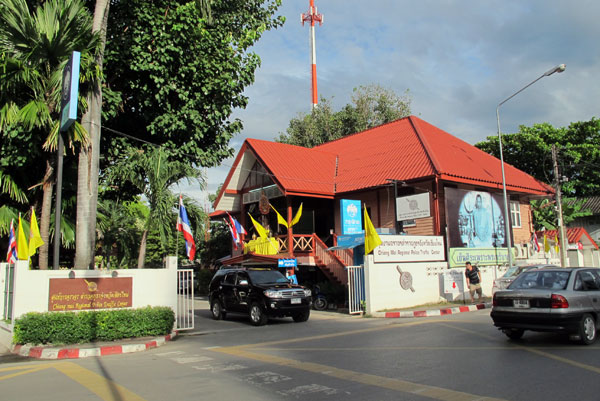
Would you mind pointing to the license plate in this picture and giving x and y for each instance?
(296, 301)
(521, 303)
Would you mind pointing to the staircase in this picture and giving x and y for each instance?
(330, 264)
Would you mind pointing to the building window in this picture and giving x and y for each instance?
(515, 214)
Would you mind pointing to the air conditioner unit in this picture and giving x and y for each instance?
(521, 251)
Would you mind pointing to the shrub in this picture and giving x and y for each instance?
(87, 326)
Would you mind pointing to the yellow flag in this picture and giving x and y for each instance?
(22, 247)
(556, 244)
(372, 239)
(280, 218)
(262, 233)
(297, 216)
(35, 239)
(546, 244)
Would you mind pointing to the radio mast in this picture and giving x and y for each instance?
(311, 17)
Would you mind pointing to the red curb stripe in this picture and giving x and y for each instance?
(463, 308)
(420, 313)
(152, 344)
(445, 311)
(117, 349)
(480, 306)
(35, 352)
(68, 353)
(392, 314)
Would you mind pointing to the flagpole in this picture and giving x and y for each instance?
(177, 237)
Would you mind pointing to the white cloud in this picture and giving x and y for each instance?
(459, 58)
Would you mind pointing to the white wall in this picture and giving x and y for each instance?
(150, 287)
(383, 290)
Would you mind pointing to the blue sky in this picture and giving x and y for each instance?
(458, 58)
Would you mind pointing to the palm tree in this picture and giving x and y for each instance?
(117, 232)
(36, 46)
(153, 173)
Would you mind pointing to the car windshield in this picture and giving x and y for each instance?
(513, 271)
(267, 277)
(540, 279)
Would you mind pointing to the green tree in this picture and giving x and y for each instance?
(118, 232)
(371, 106)
(153, 172)
(578, 146)
(36, 45)
(545, 215)
(173, 76)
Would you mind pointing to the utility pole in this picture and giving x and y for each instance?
(561, 226)
(311, 17)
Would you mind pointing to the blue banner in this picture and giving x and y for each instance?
(351, 221)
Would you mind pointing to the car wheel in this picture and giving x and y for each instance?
(301, 317)
(514, 334)
(320, 304)
(587, 329)
(257, 315)
(217, 310)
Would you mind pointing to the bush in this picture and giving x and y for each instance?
(88, 326)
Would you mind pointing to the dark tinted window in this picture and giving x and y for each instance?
(267, 277)
(230, 278)
(590, 280)
(541, 279)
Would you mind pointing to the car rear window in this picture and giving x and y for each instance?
(539, 279)
(267, 277)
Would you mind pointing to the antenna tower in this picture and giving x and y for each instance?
(311, 17)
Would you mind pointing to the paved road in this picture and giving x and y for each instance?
(330, 357)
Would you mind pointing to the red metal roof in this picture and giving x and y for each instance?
(574, 235)
(404, 150)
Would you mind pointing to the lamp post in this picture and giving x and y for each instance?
(558, 68)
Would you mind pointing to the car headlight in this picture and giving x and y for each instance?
(273, 294)
(307, 293)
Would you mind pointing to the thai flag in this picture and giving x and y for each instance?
(11, 255)
(236, 230)
(534, 243)
(183, 225)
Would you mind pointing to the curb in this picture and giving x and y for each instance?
(432, 312)
(74, 353)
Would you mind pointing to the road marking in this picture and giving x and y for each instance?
(537, 350)
(265, 378)
(104, 388)
(220, 368)
(23, 371)
(309, 389)
(191, 359)
(436, 393)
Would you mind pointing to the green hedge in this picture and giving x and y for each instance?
(82, 327)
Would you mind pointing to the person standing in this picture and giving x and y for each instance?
(473, 276)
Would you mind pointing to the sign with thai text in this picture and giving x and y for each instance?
(409, 248)
(287, 262)
(71, 294)
(413, 207)
(482, 256)
(351, 219)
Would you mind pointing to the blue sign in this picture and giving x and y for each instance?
(288, 262)
(351, 221)
(351, 240)
(70, 91)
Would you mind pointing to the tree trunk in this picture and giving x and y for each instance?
(142, 254)
(87, 174)
(48, 187)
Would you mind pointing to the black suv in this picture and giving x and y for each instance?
(261, 293)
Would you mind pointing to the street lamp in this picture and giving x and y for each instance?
(558, 68)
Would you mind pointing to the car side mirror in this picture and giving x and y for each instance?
(244, 282)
